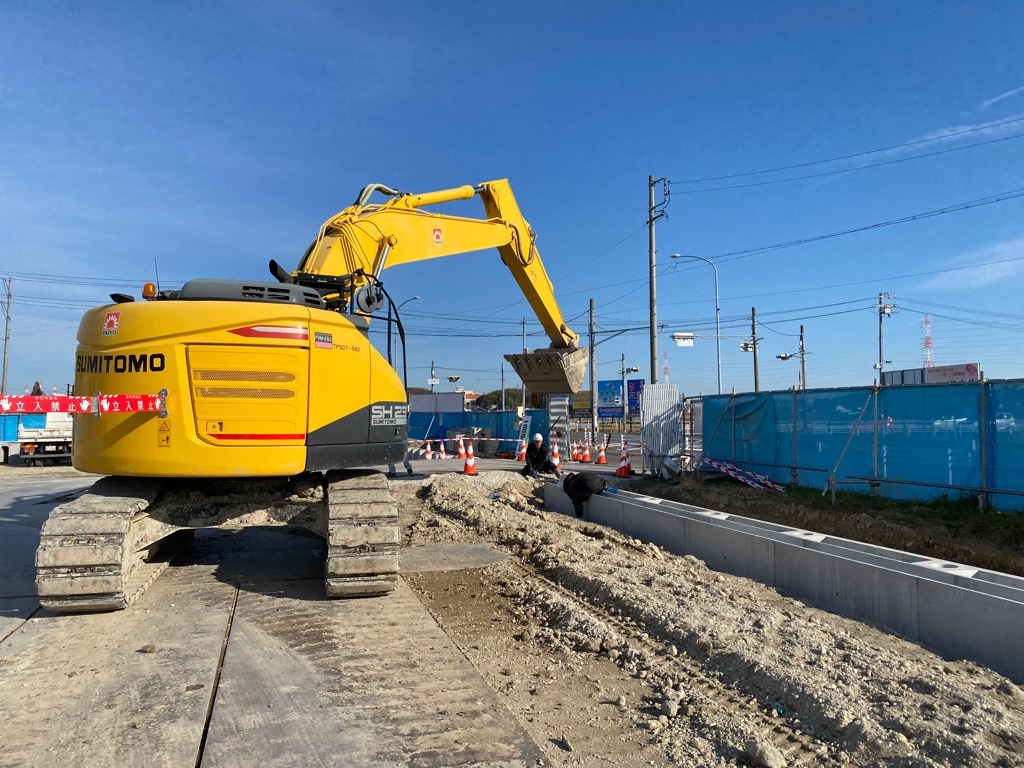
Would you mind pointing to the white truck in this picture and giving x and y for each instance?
(40, 438)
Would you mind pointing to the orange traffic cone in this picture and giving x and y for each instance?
(585, 458)
(554, 455)
(522, 451)
(429, 455)
(600, 455)
(441, 454)
(574, 452)
(624, 469)
(462, 449)
(470, 466)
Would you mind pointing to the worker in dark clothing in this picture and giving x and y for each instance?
(580, 486)
(537, 460)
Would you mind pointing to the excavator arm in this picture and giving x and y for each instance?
(355, 246)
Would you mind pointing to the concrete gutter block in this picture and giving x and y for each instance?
(804, 537)
(849, 588)
(963, 624)
(665, 530)
(952, 569)
(731, 551)
(555, 500)
(606, 509)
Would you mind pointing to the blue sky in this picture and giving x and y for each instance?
(208, 138)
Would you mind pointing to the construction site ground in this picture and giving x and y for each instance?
(517, 636)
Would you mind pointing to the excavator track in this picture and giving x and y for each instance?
(101, 551)
(97, 552)
(363, 535)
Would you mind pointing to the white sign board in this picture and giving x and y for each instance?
(683, 339)
(952, 374)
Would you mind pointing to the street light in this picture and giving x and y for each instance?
(718, 313)
(623, 370)
(394, 339)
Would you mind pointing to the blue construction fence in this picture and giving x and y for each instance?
(908, 442)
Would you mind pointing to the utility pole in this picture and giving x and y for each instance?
(433, 378)
(884, 310)
(503, 387)
(593, 383)
(803, 361)
(753, 336)
(523, 395)
(655, 212)
(7, 330)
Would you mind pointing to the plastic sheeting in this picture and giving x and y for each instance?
(914, 441)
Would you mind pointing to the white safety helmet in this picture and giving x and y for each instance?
(538, 438)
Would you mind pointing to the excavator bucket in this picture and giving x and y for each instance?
(551, 371)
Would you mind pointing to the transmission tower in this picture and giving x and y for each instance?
(929, 359)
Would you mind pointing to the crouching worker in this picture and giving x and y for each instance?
(537, 459)
(580, 486)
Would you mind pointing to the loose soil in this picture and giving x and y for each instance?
(611, 651)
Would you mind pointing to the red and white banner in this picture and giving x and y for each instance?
(98, 404)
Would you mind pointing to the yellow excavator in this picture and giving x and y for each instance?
(273, 395)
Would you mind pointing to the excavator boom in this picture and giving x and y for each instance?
(364, 239)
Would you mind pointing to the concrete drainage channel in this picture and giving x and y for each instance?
(959, 611)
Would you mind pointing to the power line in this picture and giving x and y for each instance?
(850, 170)
(916, 142)
(990, 200)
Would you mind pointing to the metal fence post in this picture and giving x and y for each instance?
(983, 440)
(793, 472)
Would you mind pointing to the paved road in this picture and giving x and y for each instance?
(234, 658)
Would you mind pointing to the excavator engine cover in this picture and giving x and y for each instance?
(551, 371)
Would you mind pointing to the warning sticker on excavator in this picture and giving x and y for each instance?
(438, 237)
(163, 435)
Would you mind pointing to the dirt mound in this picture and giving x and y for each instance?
(854, 694)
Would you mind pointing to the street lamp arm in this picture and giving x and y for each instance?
(718, 310)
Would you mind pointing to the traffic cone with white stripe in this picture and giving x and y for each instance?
(470, 466)
(585, 458)
(429, 455)
(441, 453)
(462, 449)
(600, 455)
(522, 451)
(624, 469)
(575, 451)
(554, 455)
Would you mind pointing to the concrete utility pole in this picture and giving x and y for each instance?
(753, 336)
(8, 289)
(433, 377)
(503, 387)
(884, 310)
(523, 395)
(803, 361)
(654, 212)
(593, 382)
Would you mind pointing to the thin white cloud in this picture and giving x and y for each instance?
(976, 269)
(986, 129)
(1001, 97)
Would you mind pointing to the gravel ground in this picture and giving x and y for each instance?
(713, 669)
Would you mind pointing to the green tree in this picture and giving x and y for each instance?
(513, 399)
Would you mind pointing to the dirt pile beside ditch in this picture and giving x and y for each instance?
(731, 664)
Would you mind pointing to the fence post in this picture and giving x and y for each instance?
(874, 450)
(983, 440)
(793, 471)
